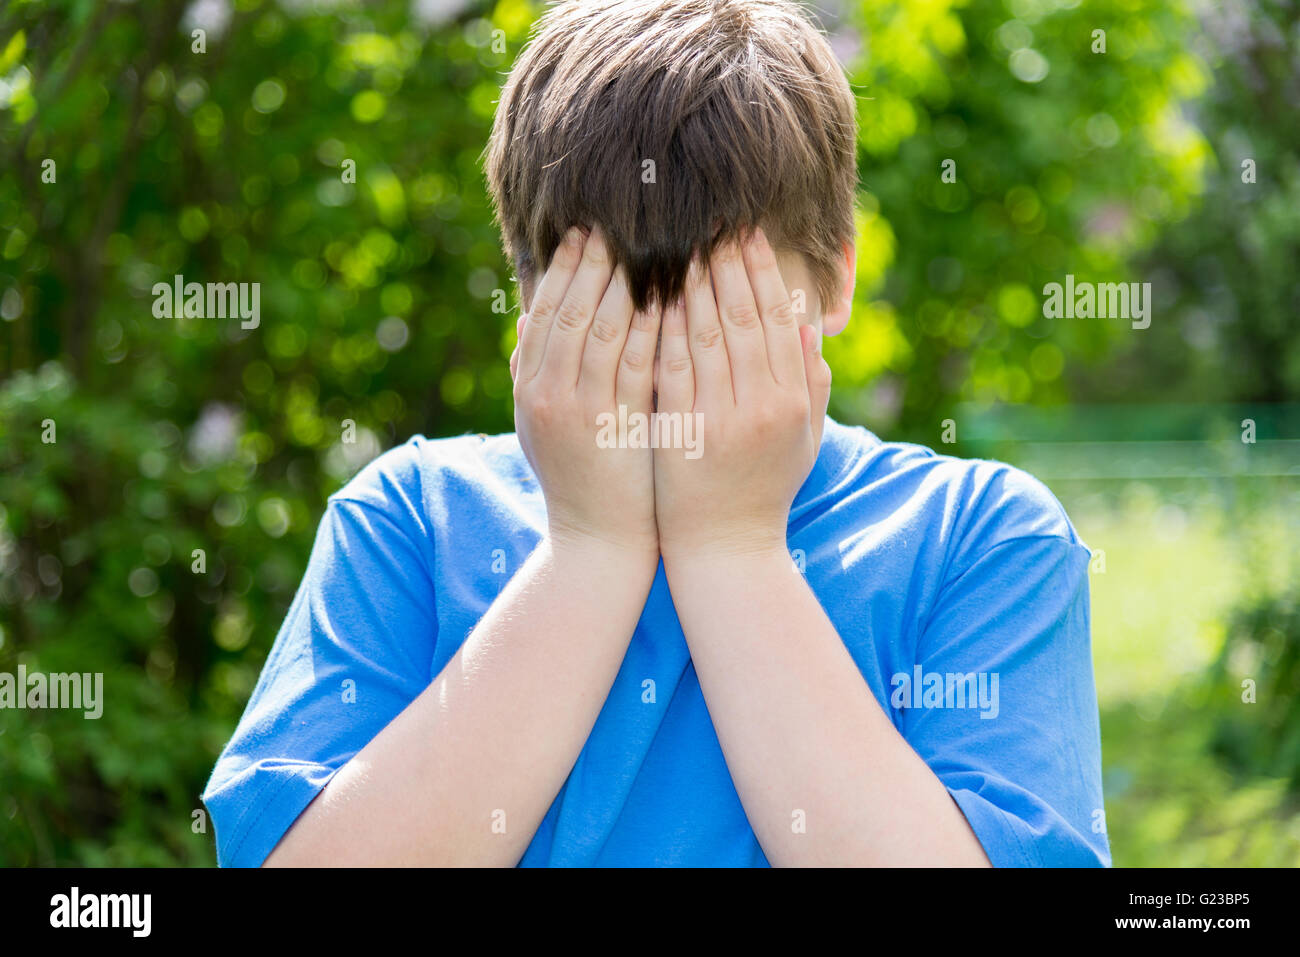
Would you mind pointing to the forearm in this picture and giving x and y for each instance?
(465, 774)
(805, 740)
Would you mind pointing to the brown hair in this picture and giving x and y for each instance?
(741, 105)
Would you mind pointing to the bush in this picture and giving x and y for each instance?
(1260, 667)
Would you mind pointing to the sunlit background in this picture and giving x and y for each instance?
(1162, 150)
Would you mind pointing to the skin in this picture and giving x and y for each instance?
(800, 729)
(804, 738)
(481, 738)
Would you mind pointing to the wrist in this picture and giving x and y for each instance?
(751, 547)
(711, 578)
(627, 555)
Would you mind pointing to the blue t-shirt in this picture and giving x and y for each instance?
(959, 587)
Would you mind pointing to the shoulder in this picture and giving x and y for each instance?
(972, 505)
(416, 481)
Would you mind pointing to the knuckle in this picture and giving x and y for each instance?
(571, 316)
(765, 419)
(762, 255)
(570, 250)
(543, 309)
(727, 253)
(603, 331)
(708, 338)
(781, 313)
(542, 406)
(595, 254)
(678, 365)
(634, 361)
(778, 418)
(743, 316)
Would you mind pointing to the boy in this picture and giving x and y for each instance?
(788, 646)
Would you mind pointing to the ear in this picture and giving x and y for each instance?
(837, 317)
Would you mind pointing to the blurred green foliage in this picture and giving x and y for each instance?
(1263, 644)
(1182, 569)
(1066, 161)
(381, 304)
(176, 435)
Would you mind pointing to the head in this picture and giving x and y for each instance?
(675, 125)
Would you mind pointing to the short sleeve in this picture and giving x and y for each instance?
(354, 650)
(1023, 760)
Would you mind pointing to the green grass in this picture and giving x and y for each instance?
(1178, 560)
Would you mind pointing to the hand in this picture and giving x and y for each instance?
(583, 352)
(733, 352)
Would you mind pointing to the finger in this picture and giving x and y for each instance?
(676, 373)
(818, 374)
(635, 378)
(606, 337)
(713, 388)
(546, 301)
(563, 358)
(780, 328)
(742, 326)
